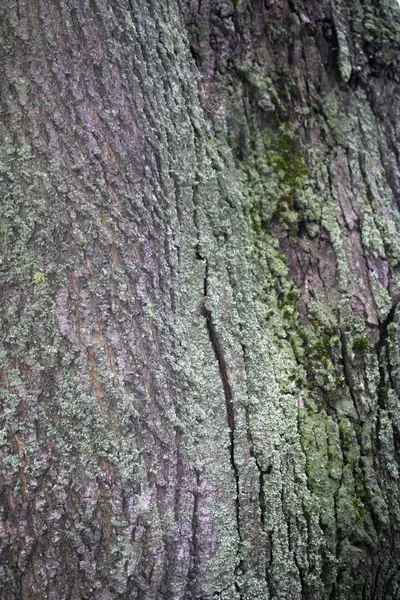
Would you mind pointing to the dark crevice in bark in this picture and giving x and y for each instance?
(368, 279)
(194, 550)
(261, 499)
(385, 383)
(301, 575)
(261, 472)
(380, 346)
(333, 593)
(216, 594)
(223, 372)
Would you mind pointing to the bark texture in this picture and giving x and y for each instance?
(199, 282)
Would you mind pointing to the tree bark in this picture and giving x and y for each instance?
(199, 281)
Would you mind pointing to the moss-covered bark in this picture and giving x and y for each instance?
(199, 285)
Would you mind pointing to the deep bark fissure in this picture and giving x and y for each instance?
(381, 347)
(261, 499)
(261, 472)
(216, 345)
(223, 373)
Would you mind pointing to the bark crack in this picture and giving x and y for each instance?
(223, 370)
(261, 472)
(194, 550)
(380, 345)
(223, 373)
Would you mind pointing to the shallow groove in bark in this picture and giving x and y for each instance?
(346, 372)
(194, 567)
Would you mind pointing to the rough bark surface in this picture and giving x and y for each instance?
(199, 282)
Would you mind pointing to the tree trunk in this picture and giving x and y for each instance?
(200, 279)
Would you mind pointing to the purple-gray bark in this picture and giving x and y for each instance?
(199, 281)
